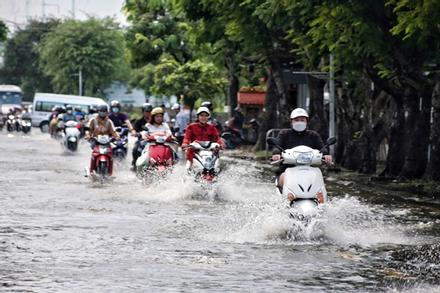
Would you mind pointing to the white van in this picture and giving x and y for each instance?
(44, 103)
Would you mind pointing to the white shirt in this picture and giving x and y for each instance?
(152, 128)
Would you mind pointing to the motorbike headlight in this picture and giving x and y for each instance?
(160, 139)
(304, 158)
(103, 150)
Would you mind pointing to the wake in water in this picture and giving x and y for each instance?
(343, 221)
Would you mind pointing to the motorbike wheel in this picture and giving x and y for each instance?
(72, 146)
(102, 171)
(10, 128)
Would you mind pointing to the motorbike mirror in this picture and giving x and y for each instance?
(273, 142)
(331, 141)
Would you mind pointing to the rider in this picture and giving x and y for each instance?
(212, 120)
(118, 118)
(157, 123)
(200, 130)
(139, 124)
(139, 127)
(100, 125)
(69, 115)
(159, 127)
(79, 113)
(298, 135)
(53, 120)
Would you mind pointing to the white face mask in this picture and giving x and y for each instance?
(299, 126)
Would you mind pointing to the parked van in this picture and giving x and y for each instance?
(44, 103)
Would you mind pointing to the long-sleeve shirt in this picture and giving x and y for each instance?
(290, 138)
(201, 132)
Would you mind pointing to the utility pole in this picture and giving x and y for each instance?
(80, 82)
(27, 9)
(332, 122)
(43, 7)
(73, 9)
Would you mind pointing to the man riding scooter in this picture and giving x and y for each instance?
(297, 135)
(139, 126)
(119, 118)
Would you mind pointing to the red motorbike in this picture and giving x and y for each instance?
(158, 156)
(101, 165)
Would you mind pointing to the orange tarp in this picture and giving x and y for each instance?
(252, 98)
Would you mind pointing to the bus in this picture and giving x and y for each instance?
(44, 103)
(10, 96)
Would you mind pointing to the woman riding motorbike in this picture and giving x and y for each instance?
(200, 130)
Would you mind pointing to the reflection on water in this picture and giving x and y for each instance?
(58, 231)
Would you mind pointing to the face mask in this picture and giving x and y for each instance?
(299, 126)
(102, 114)
(115, 110)
(69, 111)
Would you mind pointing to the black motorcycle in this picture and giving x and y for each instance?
(233, 137)
(120, 146)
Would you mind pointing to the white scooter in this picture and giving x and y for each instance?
(206, 162)
(71, 135)
(304, 181)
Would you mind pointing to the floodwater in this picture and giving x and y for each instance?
(61, 233)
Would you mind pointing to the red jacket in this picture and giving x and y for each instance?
(197, 131)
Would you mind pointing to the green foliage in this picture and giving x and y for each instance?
(3, 31)
(194, 79)
(21, 58)
(96, 47)
(162, 46)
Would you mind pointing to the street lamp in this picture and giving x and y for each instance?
(79, 74)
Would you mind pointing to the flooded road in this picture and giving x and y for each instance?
(61, 233)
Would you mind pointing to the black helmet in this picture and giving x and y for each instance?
(102, 108)
(207, 104)
(146, 107)
(78, 108)
(62, 109)
(69, 108)
(93, 110)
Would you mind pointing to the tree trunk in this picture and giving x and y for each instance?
(416, 134)
(318, 117)
(232, 92)
(433, 170)
(396, 152)
(283, 118)
(269, 116)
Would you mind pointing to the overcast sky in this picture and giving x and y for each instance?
(15, 12)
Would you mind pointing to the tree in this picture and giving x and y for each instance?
(3, 31)
(165, 58)
(94, 47)
(21, 58)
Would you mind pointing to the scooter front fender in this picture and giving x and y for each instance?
(305, 207)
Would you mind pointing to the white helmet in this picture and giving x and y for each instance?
(176, 106)
(299, 112)
(203, 109)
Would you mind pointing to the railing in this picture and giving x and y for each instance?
(272, 133)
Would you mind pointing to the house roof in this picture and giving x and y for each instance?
(255, 98)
